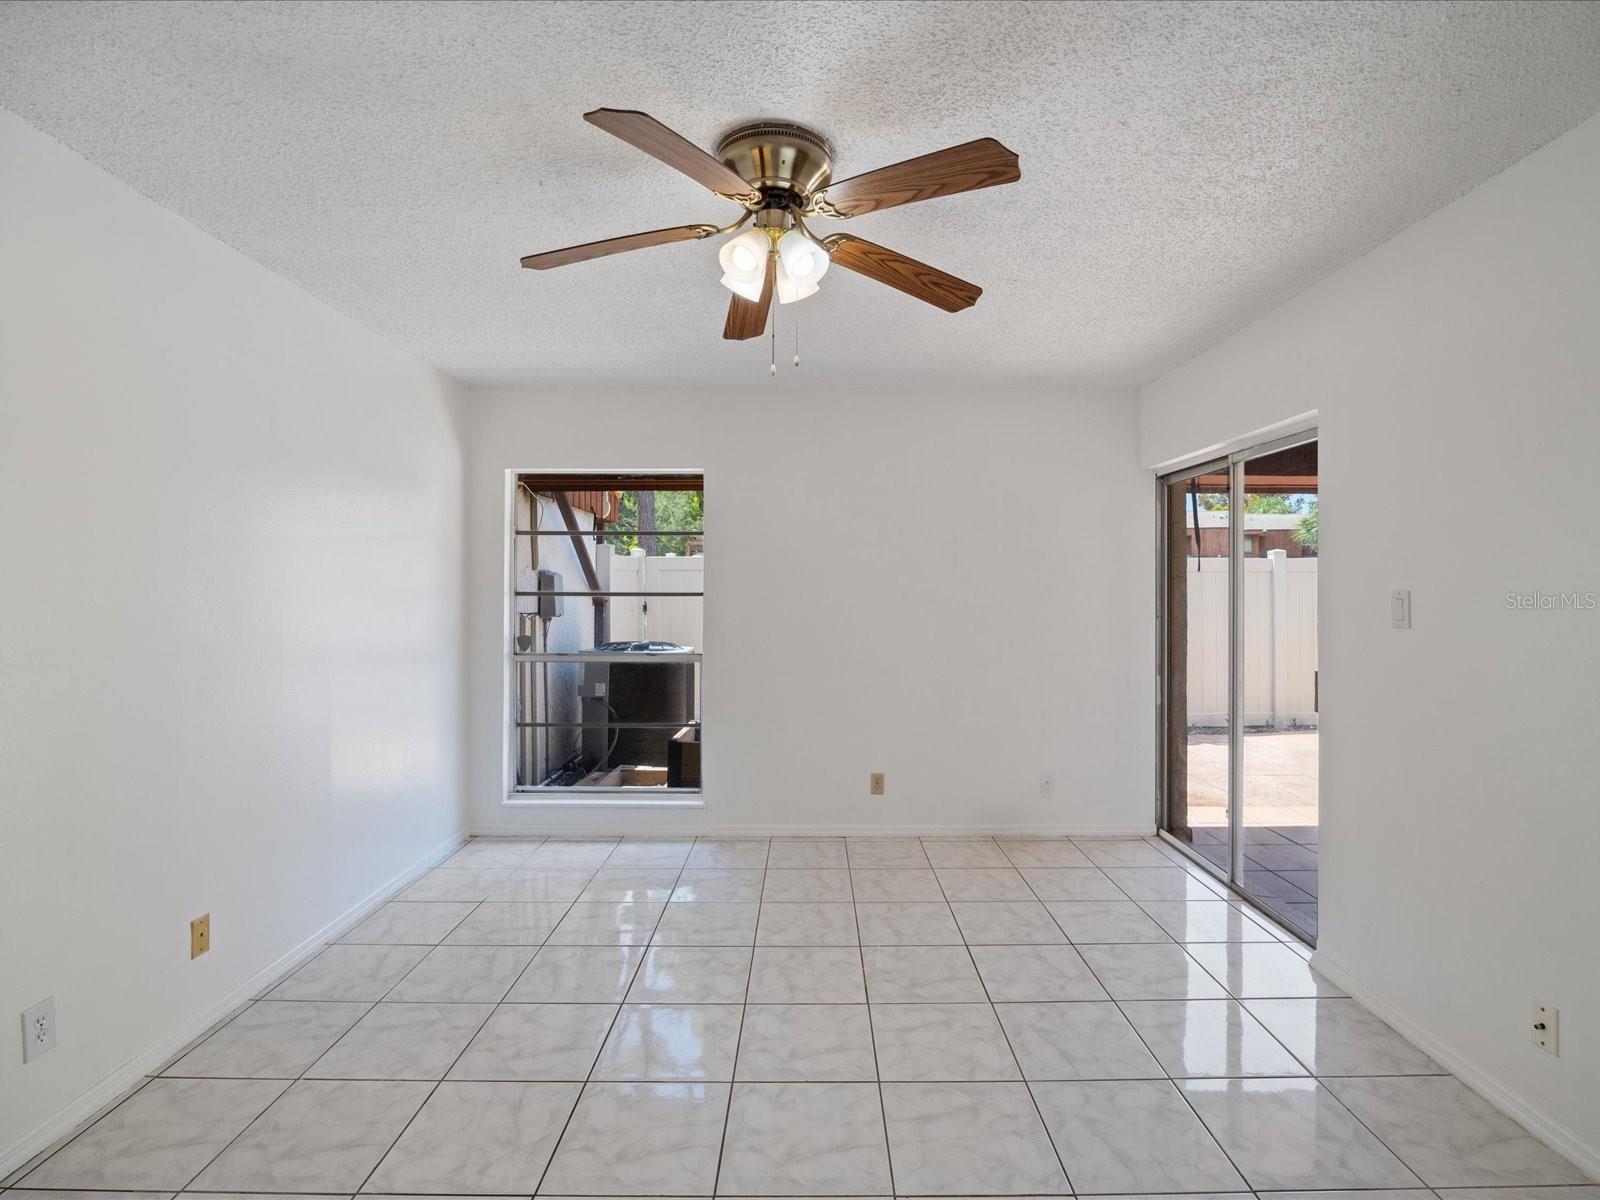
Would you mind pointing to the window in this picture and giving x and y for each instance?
(607, 632)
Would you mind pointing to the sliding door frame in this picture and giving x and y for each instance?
(1234, 463)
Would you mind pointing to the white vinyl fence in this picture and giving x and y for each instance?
(660, 618)
(1280, 641)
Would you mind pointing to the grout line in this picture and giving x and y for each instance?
(738, 1041)
(872, 1028)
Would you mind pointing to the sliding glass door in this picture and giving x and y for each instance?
(1238, 659)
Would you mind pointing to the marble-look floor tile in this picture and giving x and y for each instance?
(402, 1041)
(350, 973)
(1340, 1037)
(501, 924)
(483, 1138)
(1110, 921)
(801, 924)
(1258, 970)
(1124, 852)
(159, 1137)
(1207, 921)
(463, 974)
(486, 852)
(922, 975)
(807, 883)
(1580, 1192)
(729, 852)
(577, 975)
(1155, 972)
(1195, 1039)
(607, 924)
(1394, 1194)
(541, 885)
(1001, 923)
(718, 885)
(784, 853)
(270, 1040)
(670, 1042)
(692, 975)
(797, 1043)
(641, 1139)
(901, 884)
(1071, 883)
(804, 1139)
(933, 1042)
(648, 852)
(536, 1042)
(1036, 973)
(1450, 1136)
(969, 1139)
(414, 923)
(320, 1136)
(907, 924)
(885, 852)
(806, 975)
(634, 885)
(1043, 852)
(532, 886)
(1163, 883)
(964, 852)
(1132, 1136)
(571, 855)
(1076, 1041)
(469, 883)
(707, 925)
(1293, 1135)
(982, 883)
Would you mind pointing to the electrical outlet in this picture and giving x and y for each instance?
(1547, 1028)
(1047, 783)
(39, 1029)
(875, 783)
(199, 935)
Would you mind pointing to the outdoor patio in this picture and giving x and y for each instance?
(1280, 816)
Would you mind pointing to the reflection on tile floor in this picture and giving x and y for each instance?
(1280, 868)
(808, 1017)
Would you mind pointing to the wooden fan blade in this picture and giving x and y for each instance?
(616, 245)
(964, 168)
(644, 132)
(906, 274)
(747, 318)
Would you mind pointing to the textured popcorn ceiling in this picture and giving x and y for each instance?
(1185, 166)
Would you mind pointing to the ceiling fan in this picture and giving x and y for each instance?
(782, 173)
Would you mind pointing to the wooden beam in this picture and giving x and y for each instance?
(581, 549)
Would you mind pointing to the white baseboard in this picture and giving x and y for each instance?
(1546, 1128)
(70, 1119)
(642, 827)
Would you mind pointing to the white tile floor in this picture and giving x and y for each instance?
(807, 1017)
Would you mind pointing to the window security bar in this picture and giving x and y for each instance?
(555, 656)
(613, 533)
(694, 724)
(618, 595)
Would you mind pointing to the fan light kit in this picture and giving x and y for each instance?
(782, 173)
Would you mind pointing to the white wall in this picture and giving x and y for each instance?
(1456, 371)
(962, 637)
(229, 649)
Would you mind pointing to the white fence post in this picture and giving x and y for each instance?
(1279, 561)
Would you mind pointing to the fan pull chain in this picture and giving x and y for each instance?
(797, 341)
(772, 366)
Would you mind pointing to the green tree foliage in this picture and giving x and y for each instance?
(671, 510)
(1306, 532)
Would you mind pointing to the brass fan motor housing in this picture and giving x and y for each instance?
(779, 156)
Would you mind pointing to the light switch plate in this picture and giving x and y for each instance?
(1400, 608)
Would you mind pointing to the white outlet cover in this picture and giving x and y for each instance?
(39, 1029)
